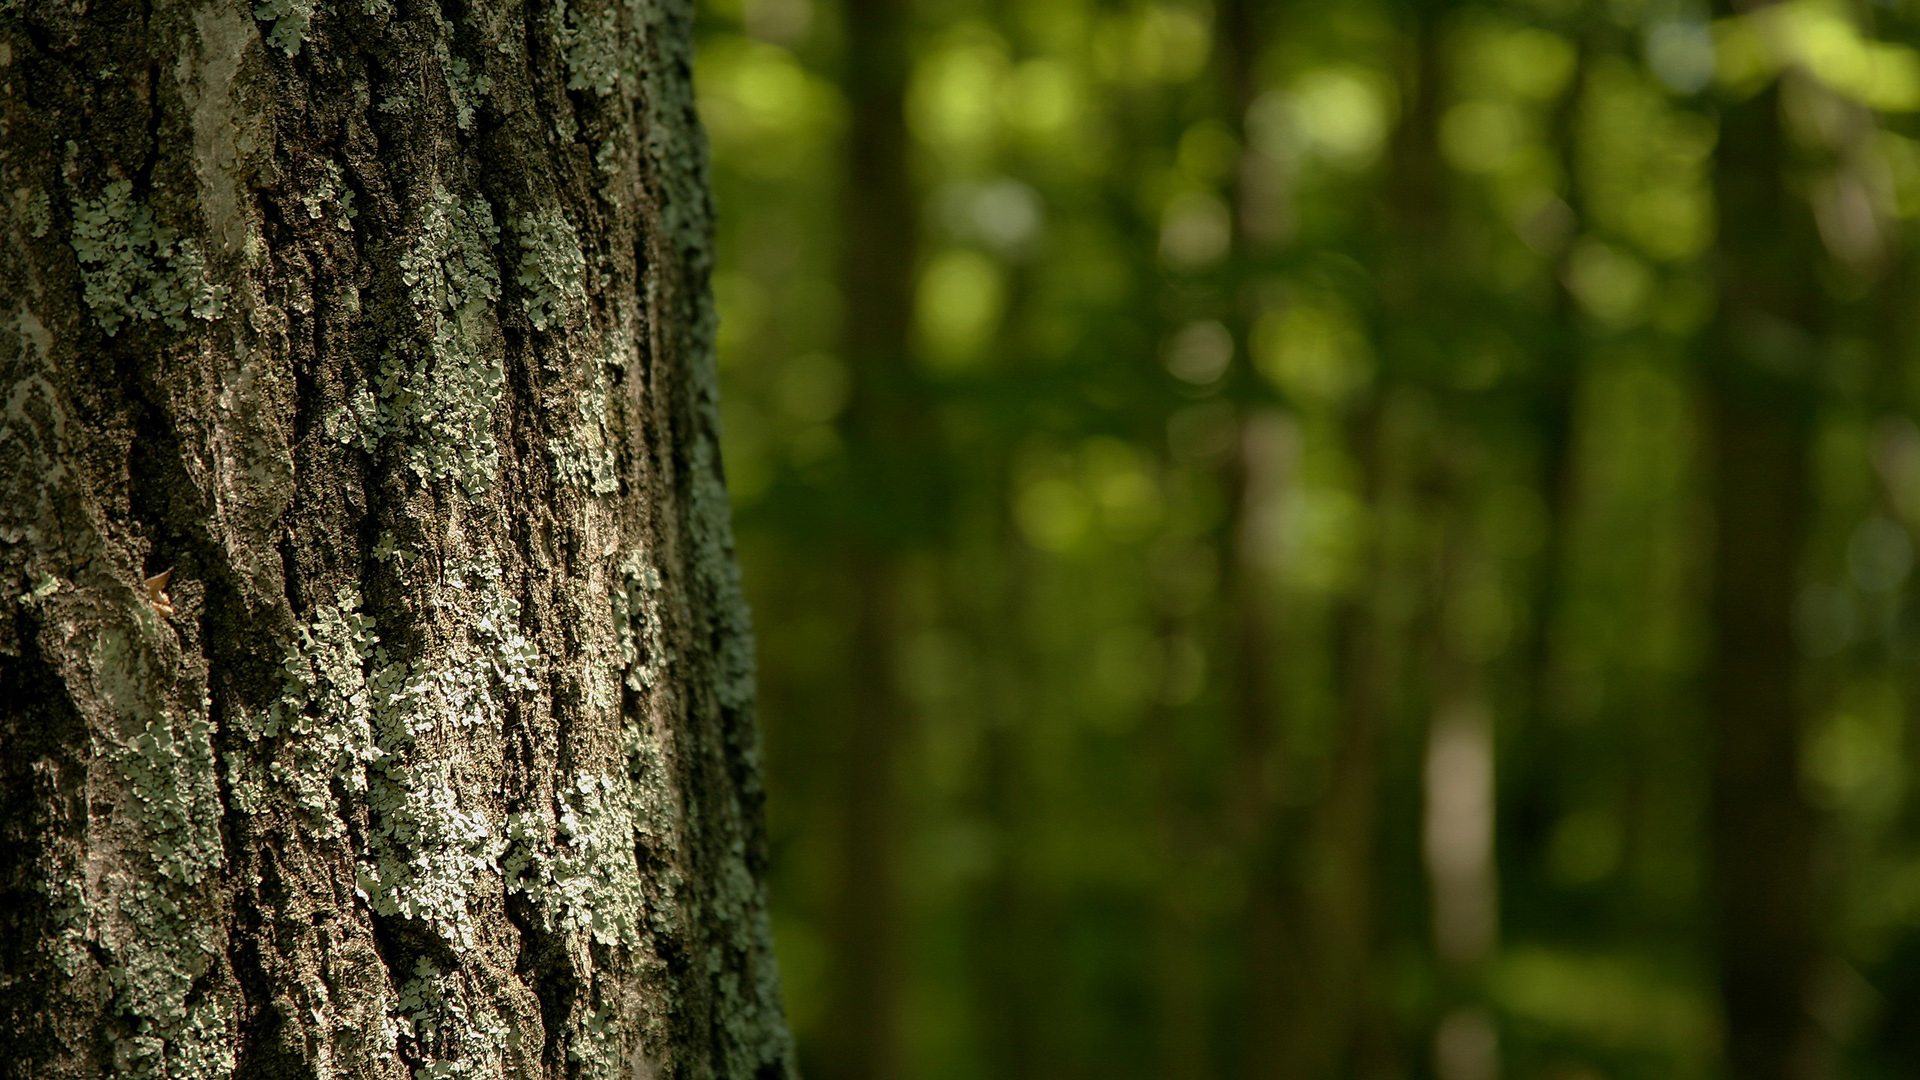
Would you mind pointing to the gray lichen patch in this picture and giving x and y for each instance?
(582, 880)
(169, 769)
(552, 274)
(352, 717)
(430, 854)
(322, 724)
(599, 1049)
(330, 197)
(644, 655)
(158, 945)
(459, 1036)
(574, 854)
(133, 267)
(39, 215)
(198, 1046)
(288, 22)
(433, 848)
(439, 398)
(592, 44)
(583, 456)
(44, 585)
(466, 88)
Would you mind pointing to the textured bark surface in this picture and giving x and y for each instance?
(383, 326)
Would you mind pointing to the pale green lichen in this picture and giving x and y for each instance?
(351, 716)
(355, 422)
(592, 45)
(607, 158)
(388, 550)
(636, 618)
(39, 215)
(67, 911)
(331, 197)
(597, 1046)
(169, 770)
(552, 272)
(357, 719)
(466, 88)
(575, 859)
(584, 879)
(428, 854)
(133, 267)
(439, 400)
(199, 1046)
(158, 947)
(584, 457)
(324, 714)
(289, 21)
(443, 1024)
(44, 585)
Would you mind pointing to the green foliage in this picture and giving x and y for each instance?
(1411, 386)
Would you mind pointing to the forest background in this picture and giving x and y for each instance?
(1362, 539)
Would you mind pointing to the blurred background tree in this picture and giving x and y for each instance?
(1314, 540)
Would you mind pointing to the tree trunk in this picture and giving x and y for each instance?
(375, 687)
(1760, 379)
(882, 429)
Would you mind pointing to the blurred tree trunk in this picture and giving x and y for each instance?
(1253, 475)
(1349, 1032)
(1761, 361)
(1181, 983)
(1562, 359)
(1342, 842)
(877, 277)
(375, 688)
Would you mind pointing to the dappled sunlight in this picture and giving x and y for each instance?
(1327, 477)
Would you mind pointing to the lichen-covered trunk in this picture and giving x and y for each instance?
(375, 688)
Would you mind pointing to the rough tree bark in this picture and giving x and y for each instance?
(383, 326)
